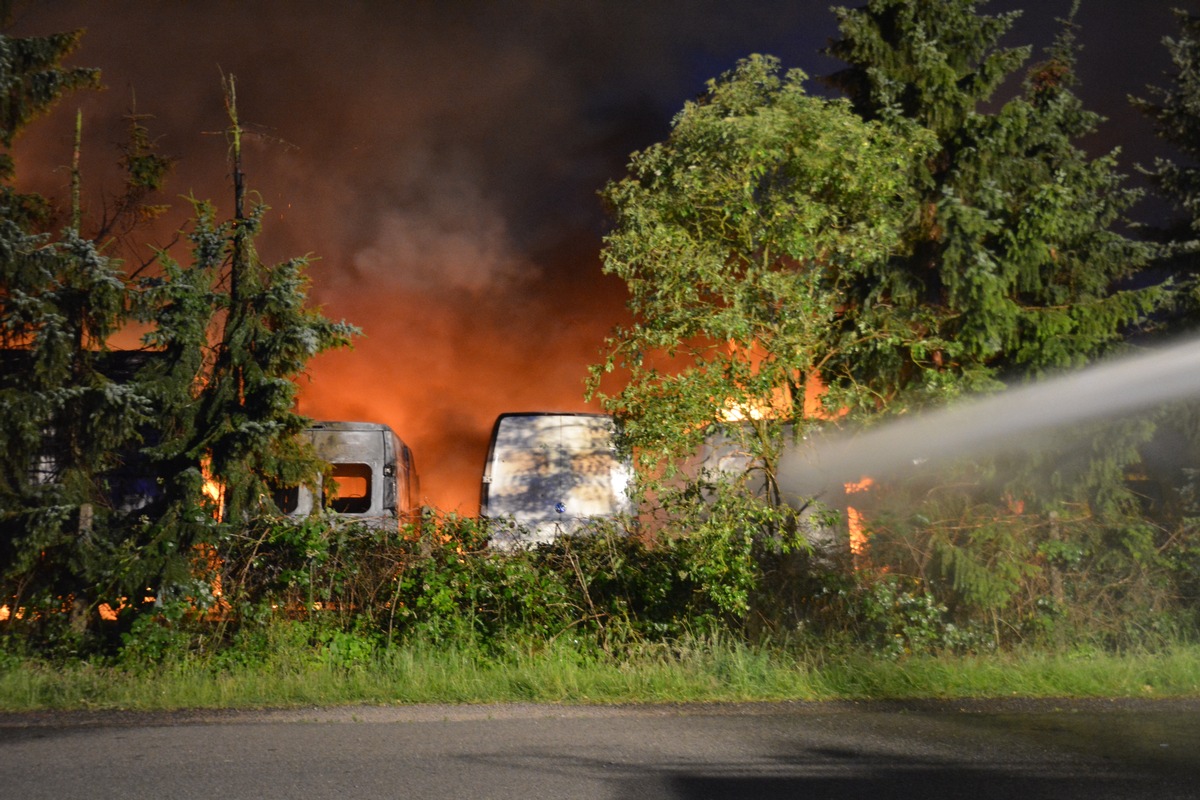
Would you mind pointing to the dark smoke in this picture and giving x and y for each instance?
(441, 159)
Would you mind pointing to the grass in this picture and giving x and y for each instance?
(698, 672)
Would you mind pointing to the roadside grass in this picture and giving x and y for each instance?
(700, 671)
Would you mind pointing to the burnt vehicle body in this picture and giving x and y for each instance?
(727, 456)
(373, 475)
(549, 474)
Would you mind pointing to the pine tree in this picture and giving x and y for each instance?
(32, 79)
(1018, 268)
(64, 417)
(1175, 111)
(1016, 264)
(268, 337)
(230, 335)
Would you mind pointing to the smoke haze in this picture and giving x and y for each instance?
(441, 162)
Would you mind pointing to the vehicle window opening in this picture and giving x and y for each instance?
(351, 488)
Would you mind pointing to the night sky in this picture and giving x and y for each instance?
(441, 161)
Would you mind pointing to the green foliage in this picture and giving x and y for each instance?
(360, 589)
(225, 380)
(1017, 269)
(735, 237)
(1175, 111)
(165, 636)
(1011, 576)
(1017, 265)
(600, 587)
(67, 412)
(897, 617)
(32, 79)
(104, 455)
(993, 256)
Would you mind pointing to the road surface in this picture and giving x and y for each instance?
(975, 750)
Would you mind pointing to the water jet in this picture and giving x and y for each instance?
(1009, 419)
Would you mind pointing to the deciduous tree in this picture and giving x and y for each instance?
(736, 237)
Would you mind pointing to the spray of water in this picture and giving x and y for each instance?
(1014, 418)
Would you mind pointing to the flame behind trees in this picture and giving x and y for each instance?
(102, 453)
(1019, 266)
(734, 237)
(905, 247)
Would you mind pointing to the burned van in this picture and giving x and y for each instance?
(547, 474)
(372, 472)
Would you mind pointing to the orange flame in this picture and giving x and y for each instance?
(854, 518)
(213, 489)
(734, 411)
(860, 486)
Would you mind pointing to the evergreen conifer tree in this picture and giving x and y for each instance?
(1016, 263)
(102, 454)
(230, 334)
(64, 418)
(1018, 268)
(1175, 111)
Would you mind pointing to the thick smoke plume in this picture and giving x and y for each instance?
(441, 161)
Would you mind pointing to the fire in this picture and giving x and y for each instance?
(779, 404)
(854, 518)
(734, 411)
(213, 489)
(858, 535)
(5, 613)
(859, 486)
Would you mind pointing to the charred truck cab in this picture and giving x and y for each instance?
(375, 480)
(547, 474)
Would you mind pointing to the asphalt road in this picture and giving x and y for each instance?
(1013, 749)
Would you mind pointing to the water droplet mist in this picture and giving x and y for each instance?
(1016, 418)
